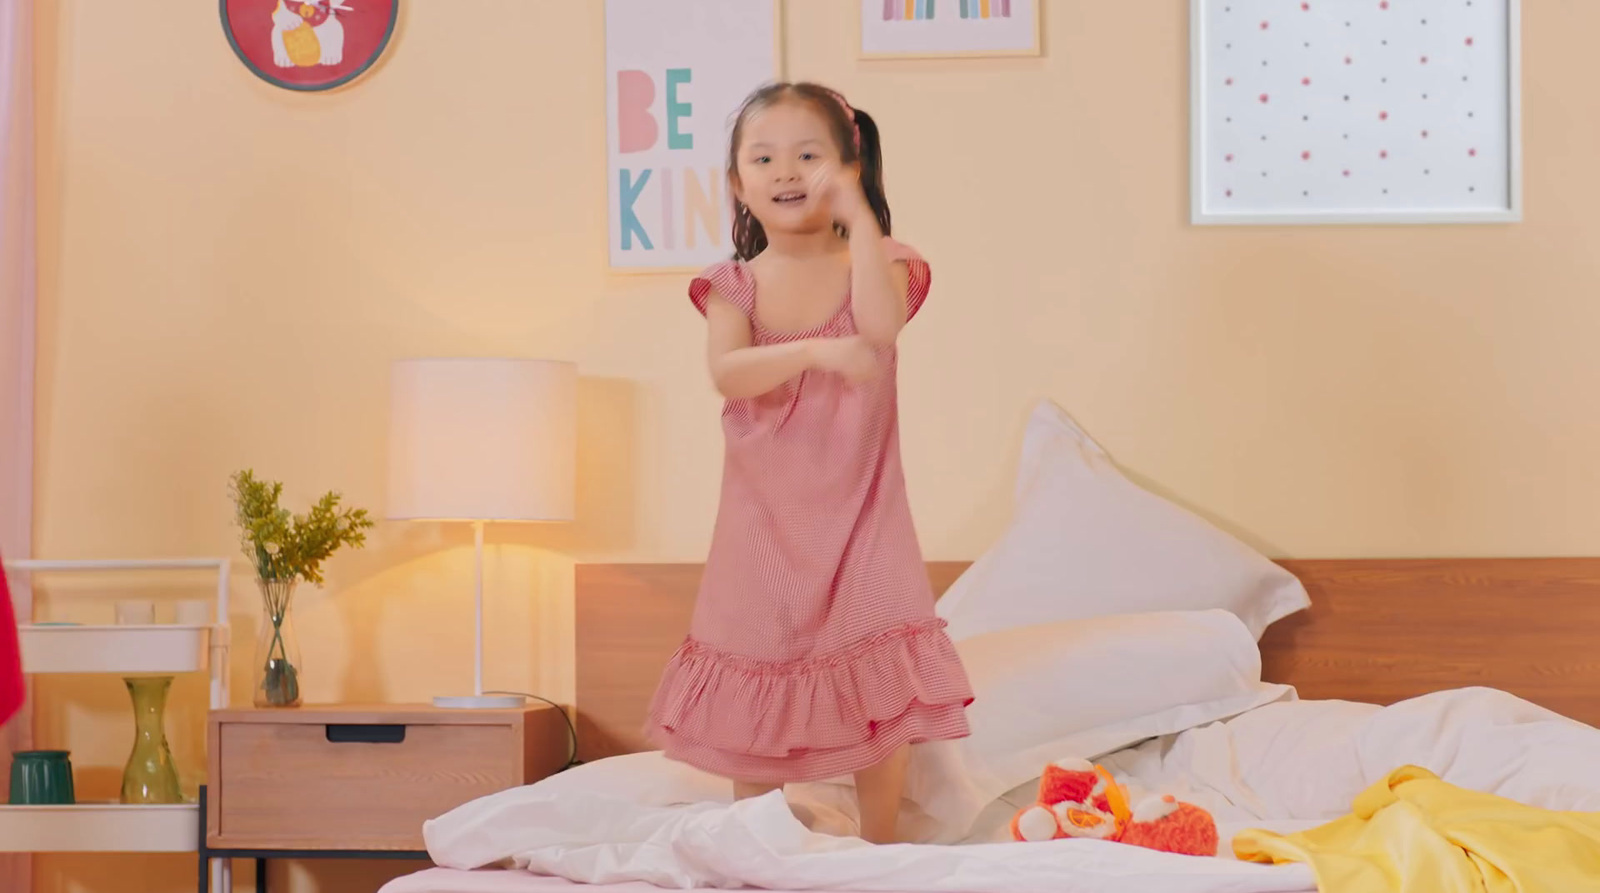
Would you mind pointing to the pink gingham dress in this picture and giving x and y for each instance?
(814, 650)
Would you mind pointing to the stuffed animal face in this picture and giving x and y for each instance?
(1040, 823)
(1078, 799)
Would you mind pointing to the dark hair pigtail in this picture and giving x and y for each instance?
(749, 238)
(872, 169)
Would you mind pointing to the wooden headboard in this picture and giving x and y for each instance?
(1378, 631)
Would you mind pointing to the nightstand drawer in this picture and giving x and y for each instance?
(325, 779)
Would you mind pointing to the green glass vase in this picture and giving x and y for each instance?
(150, 776)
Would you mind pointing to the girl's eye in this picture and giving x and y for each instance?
(806, 156)
(763, 159)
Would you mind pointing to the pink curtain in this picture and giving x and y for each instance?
(17, 276)
(17, 280)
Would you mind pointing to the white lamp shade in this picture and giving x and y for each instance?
(482, 440)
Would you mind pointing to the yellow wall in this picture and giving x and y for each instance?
(228, 268)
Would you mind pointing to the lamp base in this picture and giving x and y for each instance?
(479, 702)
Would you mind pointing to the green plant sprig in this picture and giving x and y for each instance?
(284, 546)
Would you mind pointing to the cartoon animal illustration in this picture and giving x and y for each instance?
(1079, 799)
(307, 33)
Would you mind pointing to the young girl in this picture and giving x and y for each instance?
(814, 651)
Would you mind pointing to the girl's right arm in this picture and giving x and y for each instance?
(741, 371)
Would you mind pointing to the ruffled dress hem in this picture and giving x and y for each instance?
(815, 718)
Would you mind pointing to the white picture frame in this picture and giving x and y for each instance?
(1452, 74)
(948, 29)
(703, 57)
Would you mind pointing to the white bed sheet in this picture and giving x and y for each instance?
(449, 880)
(1285, 767)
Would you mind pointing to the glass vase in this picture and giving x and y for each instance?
(150, 776)
(277, 675)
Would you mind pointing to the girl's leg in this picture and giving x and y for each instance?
(878, 793)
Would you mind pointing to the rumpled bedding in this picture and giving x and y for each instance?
(1415, 833)
(1285, 768)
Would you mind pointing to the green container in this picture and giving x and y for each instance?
(41, 778)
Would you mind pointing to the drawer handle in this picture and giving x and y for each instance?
(365, 733)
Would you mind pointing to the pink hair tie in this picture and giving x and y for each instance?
(850, 115)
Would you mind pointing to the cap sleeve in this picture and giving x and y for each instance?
(920, 275)
(730, 279)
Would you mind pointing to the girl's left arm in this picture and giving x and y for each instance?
(878, 285)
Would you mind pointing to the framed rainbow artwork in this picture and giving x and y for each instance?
(940, 29)
(911, 10)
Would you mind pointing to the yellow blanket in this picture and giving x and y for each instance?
(1413, 833)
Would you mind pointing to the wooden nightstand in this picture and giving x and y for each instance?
(345, 781)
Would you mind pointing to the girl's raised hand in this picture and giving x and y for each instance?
(839, 189)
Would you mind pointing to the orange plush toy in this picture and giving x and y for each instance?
(1079, 799)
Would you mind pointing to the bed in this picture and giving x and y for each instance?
(1105, 623)
(1377, 633)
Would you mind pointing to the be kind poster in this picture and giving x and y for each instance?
(676, 71)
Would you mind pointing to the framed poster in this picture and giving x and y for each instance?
(1389, 111)
(308, 44)
(676, 73)
(940, 29)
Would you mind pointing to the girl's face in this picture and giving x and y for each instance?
(782, 146)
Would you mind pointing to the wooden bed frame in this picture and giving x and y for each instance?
(1378, 631)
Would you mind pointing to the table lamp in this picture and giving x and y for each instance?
(480, 440)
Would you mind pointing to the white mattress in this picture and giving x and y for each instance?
(1283, 767)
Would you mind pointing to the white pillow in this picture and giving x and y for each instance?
(1086, 541)
(1079, 688)
(1083, 688)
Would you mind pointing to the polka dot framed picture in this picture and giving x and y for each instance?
(309, 45)
(1355, 111)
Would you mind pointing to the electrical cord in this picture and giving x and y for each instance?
(572, 730)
